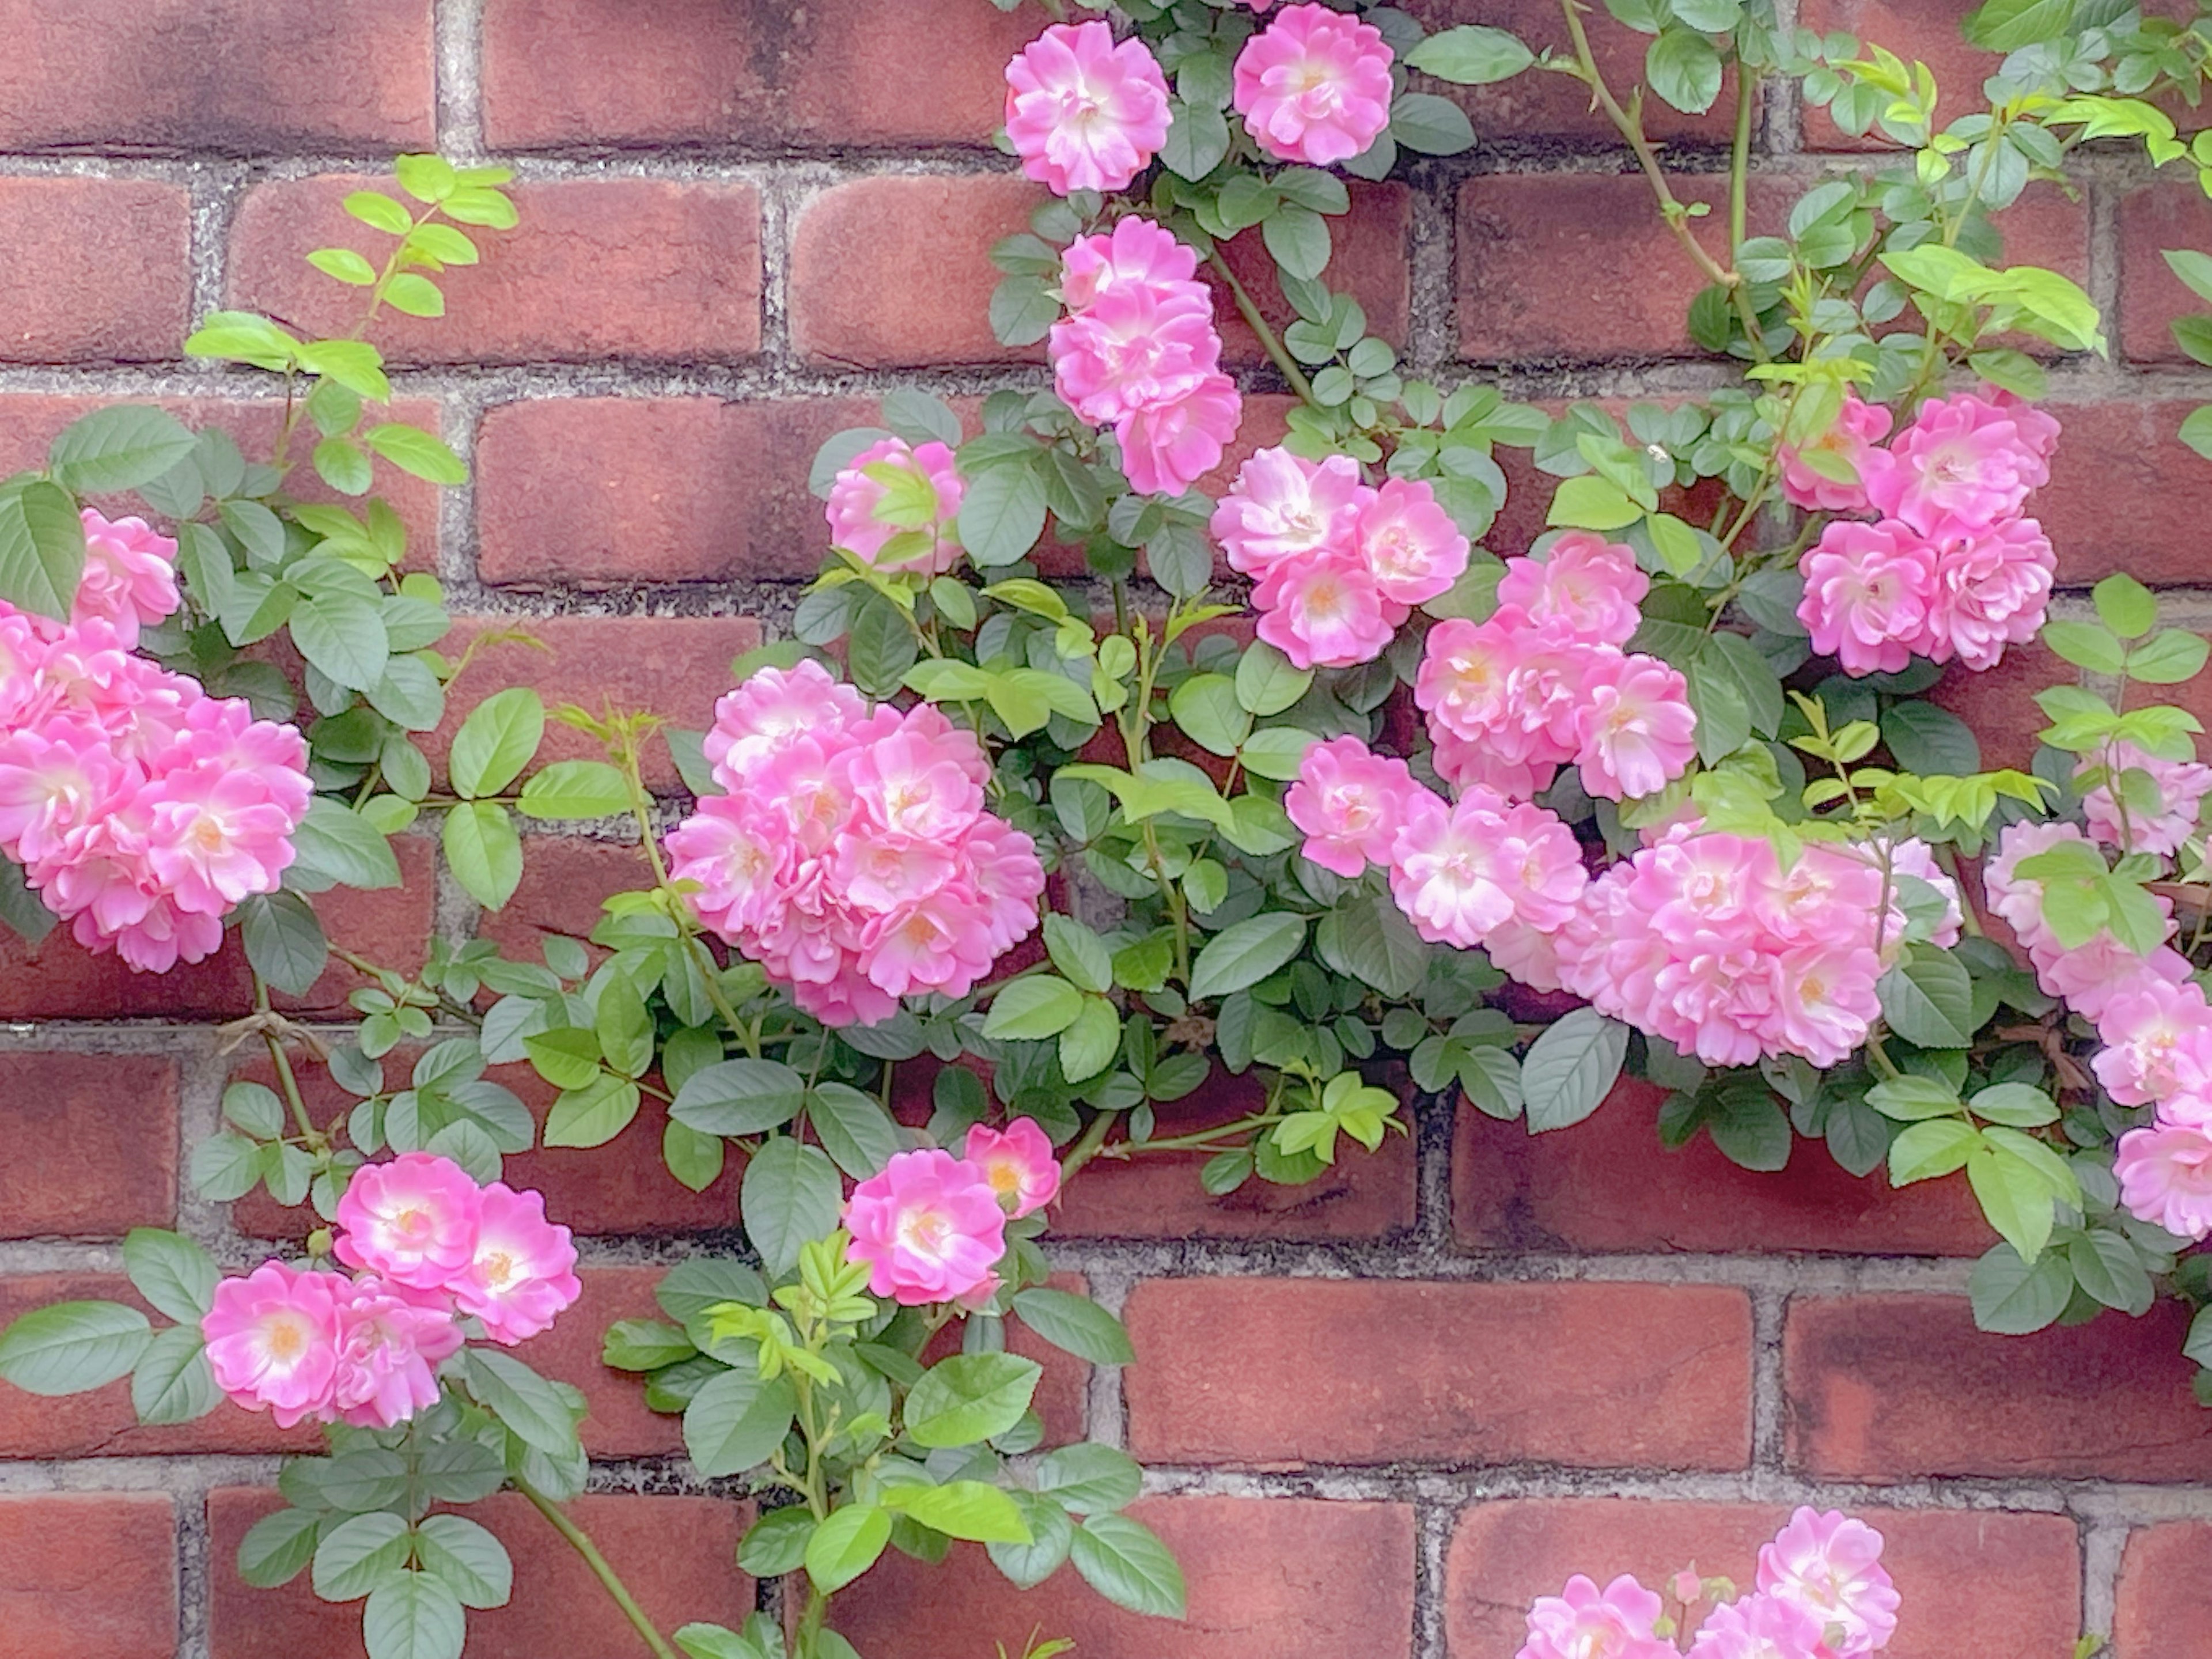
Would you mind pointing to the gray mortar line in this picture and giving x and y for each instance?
(458, 30)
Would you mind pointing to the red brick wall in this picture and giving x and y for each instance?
(1385, 1410)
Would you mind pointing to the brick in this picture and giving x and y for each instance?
(1541, 104)
(673, 1552)
(603, 492)
(1926, 30)
(1362, 1195)
(389, 926)
(88, 1575)
(1607, 1185)
(565, 879)
(2126, 494)
(1893, 1388)
(560, 73)
(95, 270)
(619, 1424)
(1268, 1578)
(101, 1424)
(246, 77)
(28, 423)
(2165, 1592)
(1975, 1584)
(1999, 703)
(77, 1166)
(1367, 259)
(675, 666)
(2152, 220)
(643, 268)
(1286, 1372)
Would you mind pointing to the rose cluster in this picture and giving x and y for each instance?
(890, 490)
(1545, 681)
(1137, 351)
(852, 858)
(1821, 1593)
(141, 809)
(931, 1227)
(1950, 566)
(431, 1249)
(1339, 565)
(2156, 1029)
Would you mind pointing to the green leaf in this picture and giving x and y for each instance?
(1002, 514)
(2168, 659)
(970, 1397)
(1592, 503)
(1033, 1008)
(1369, 938)
(68, 1347)
(1471, 56)
(2013, 1196)
(2124, 605)
(1431, 125)
(972, 1509)
(1938, 1146)
(1930, 741)
(358, 1553)
(1684, 68)
(736, 1422)
(1088, 1046)
(1276, 751)
(1245, 953)
(483, 852)
(498, 739)
(343, 263)
(1571, 1068)
(1078, 953)
(2012, 1297)
(1077, 1324)
(172, 1272)
(335, 846)
(413, 450)
(353, 364)
(1128, 1566)
(2009, 24)
(472, 1563)
(1052, 1535)
(1297, 238)
(277, 1547)
(739, 1097)
(1207, 710)
(593, 1115)
(1090, 1479)
(225, 1166)
(574, 789)
(643, 1344)
(1198, 138)
(1267, 680)
(522, 1399)
(1911, 1099)
(417, 295)
(1929, 999)
(689, 1288)
(25, 914)
(413, 1616)
(122, 446)
(172, 1381)
(846, 1545)
(776, 1543)
(852, 1127)
(2086, 645)
(791, 1194)
(41, 548)
(2106, 1265)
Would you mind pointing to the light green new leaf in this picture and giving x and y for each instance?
(483, 852)
(846, 1545)
(1033, 1008)
(1077, 1324)
(970, 1397)
(497, 740)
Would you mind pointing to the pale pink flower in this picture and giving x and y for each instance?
(1083, 113)
(1641, 732)
(216, 838)
(130, 576)
(772, 710)
(1008, 877)
(2158, 1044)
(1452, 870)
(413, 1220)
(1870, 589)
(1823, 1001)
(1412, 548)
(863, 517)
(1314, 86)
(1831, 1566)
(1282, 507)
(740, 866)
(1761, 1627)
(56, 782)
(914, 782)
(1587, 587)
(2091, 978)
(1172, 443)
(941, 943)
(1349, 802)
(1472, 763)
(1017, 1165)
(2017, 899)
(1136, 253)
(160, 938)
(1464, 682)
(1963, 465)
(1992, 587)
(2181, 787)
(272, 1339)
(1135, 347)
(2165, 1177)
(929, 1228)
(1912, 857)
(1851, 441)
(391, 1341)
(1582, 1622)
(1529, 955)
(1323, 610)
(524, 1270)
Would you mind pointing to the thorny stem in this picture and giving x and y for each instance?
(1093, 1139)
(1250, 312)
(283, 1061)
(1197, 1140)
(580, 1542)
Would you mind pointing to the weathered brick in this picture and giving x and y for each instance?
(839, 72)
(675, 666)
(1975, 1584)
(246, 77)
(565, 879)
(101, 1424)
(1999, 703)
(674, 1553)
(1268, 1578)
(95, 270)
(619, 1424)
(1367, 260)
(2126, 494)
(1362, 1195)
(88, 1575)
(2165, 1592)
(601, 492)
(1608, 1185)
(645, 269)
(2153, 219)
(1283, 1372)
(1895, 1388)
(92, 1144)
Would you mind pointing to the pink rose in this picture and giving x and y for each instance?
(1850, 442)
(1831, 1566)
(1314, 86)
(1992, 587)
(391, 1341)
(2179, 786)
(1169, 445)
(865, 514)
(1759, 1628)
(1083, 113)
(929, 1226)
(130, 575)
(1323, 610)
(414, 1220)
(2165, 1178)
(1641, 733)
(1588, 590)
(1412, 548)
(1582, 1622)
(1283, 507)
(272, 1339)
(1017, 1165)
(1869, 590)
(1963, 465)
(1349, 802)
(523, 1272)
